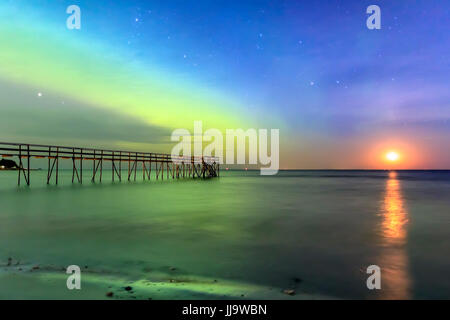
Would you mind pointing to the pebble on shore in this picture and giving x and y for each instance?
(289, 292)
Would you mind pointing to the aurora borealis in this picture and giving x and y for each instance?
(340, 94)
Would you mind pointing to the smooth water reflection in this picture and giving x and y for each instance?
(395, 277)
(321, 227)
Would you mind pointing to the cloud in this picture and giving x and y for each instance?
(50, 118)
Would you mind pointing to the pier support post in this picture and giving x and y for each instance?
(57, 164)
(129, 165)
(120, 166)
(135, 166)
(112, 166)
(101, 166)
(21, 169)
(81, 166)
(93, 168)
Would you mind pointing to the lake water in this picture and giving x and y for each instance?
(238, 236)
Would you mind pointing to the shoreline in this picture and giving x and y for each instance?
(49, 282)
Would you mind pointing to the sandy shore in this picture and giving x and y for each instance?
(34, 281)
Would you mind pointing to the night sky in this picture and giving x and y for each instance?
(342, 95)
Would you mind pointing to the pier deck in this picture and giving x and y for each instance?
(174, 166)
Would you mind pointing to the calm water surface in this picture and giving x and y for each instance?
(316, 231)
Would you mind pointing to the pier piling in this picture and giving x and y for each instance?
(175, 166)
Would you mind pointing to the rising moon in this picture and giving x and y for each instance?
(392, 156)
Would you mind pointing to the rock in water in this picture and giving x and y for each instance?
(289, 292)
(8, 164)
(297, 280)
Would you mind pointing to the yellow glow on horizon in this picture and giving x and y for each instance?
(408, 155)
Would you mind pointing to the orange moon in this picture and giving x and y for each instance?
(392, 156)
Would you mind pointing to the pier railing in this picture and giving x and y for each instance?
(175, 166)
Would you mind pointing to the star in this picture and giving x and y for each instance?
(311, 83)
(39, 94)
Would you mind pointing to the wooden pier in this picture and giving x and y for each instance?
(174, 167)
